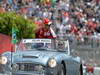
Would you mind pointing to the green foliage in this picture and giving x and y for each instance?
(24, 28)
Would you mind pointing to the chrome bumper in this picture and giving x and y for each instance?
(27, 73)
(5, 73)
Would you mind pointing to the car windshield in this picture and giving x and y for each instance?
(35, 44)
(42, 44)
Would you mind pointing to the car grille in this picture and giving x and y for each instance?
(27, 67)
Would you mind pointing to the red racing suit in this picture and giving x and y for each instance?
(44, 33)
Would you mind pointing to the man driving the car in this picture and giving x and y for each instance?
(60, 45)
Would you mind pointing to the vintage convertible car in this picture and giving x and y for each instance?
(45, 57)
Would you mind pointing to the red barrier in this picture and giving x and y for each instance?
(5, 43)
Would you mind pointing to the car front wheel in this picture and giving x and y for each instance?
(61, 71)
(81, 69)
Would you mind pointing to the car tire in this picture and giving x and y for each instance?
(61, 70)
(81, 69)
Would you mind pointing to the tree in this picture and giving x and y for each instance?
(24, 28)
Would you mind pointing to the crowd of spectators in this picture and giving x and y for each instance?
(69, 17)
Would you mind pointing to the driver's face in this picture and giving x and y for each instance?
(60, 46)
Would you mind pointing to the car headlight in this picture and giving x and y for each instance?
(3, 60)
(52, 63)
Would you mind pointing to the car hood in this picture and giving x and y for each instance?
(39, 57)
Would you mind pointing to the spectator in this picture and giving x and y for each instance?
(81, 16)
(2, 9)
(98, 28)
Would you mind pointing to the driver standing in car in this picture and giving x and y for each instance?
(46, 31)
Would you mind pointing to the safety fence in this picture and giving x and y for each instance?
(88, 48)
(88, 42)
